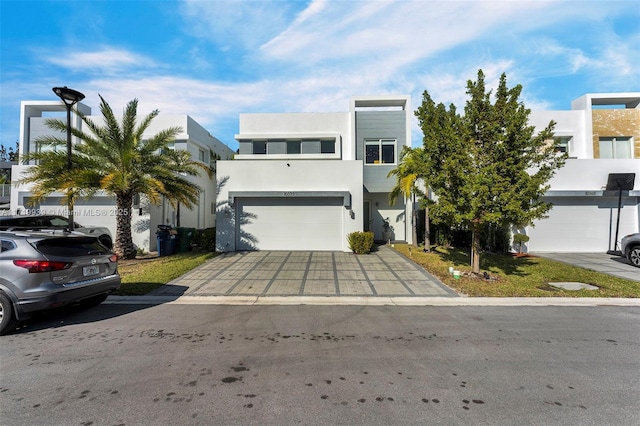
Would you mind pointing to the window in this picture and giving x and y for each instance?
(380, 151)
(563, 144)
(201, 155)
(328, 146)
(293, 146)
(6, 245)
(616, 147)
(259, 147)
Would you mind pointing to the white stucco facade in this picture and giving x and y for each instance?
(585, 215)
(100, 209)
(303, 181)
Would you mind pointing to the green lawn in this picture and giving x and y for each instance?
(513, 276)
(141, 276)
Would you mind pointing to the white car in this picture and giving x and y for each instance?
(630, 247)
(37, 222)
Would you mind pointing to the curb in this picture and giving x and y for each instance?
(372, 301)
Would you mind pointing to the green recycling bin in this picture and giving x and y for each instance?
(185, 236)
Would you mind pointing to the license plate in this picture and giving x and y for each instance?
(90, 270)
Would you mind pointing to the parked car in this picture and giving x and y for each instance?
(36, 222)
(48, 269)
(630, 248)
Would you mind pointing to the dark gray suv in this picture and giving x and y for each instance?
(48, 269)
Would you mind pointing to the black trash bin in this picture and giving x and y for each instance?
(166, 240)
(185, 236)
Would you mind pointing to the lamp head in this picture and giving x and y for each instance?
(69, 96)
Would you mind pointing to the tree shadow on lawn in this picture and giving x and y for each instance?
(507, 264)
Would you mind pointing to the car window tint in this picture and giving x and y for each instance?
(6, 245)
(71, 247)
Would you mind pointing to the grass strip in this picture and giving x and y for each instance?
(140, 276)
(516, 276)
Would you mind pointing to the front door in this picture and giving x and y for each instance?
(366, 216)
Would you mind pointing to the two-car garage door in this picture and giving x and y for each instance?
(583, 224)
(281, 223)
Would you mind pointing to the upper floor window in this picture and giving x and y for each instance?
(259, 147)
(380, 151)
(563, 144)
(201, 155)
(616, 147)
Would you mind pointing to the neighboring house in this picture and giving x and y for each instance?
(100, 210)
(5, 185)
(601, 134)
(303, 181)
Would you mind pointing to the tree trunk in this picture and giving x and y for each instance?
(414, 227)
(427, 232)
(123, 246)
(475, 249)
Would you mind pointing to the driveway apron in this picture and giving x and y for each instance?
(384, 272)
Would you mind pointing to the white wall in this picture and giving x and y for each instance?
(300, 123)
(568, 123)
(276, 175)
(591, 175)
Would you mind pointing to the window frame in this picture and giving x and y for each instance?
(612, 140)
(381, 142)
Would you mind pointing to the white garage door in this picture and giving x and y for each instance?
(583, 224)
(289, 223)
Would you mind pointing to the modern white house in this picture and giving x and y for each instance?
(100, 210)
(601, 134)
(303, 181)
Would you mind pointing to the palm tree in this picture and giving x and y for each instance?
(409, 171)
(114, 158)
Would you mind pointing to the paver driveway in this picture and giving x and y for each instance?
(308, 273)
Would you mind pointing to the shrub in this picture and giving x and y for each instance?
(519, 239)
(360, 242)
(206, 238)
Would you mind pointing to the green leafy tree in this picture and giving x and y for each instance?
(487, 166)
(115, 158)
(7, 154)
(408, 173)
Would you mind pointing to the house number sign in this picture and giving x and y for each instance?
(289, 194)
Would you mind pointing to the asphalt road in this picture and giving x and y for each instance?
(278, 365)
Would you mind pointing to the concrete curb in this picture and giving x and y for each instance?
(371, 301)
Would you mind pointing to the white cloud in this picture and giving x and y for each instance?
(231, 24)
(106, 59)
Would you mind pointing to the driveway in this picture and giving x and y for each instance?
(308, 273)
(601, 262)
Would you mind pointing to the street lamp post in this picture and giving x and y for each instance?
(69, 97)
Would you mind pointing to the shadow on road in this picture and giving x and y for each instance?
(76, 314)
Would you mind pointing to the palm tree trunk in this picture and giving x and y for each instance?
(124, 246)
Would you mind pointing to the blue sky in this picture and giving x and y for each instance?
(216, 59)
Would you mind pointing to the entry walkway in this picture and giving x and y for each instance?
(383, 273)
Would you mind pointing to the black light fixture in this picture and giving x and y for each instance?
(69, 97)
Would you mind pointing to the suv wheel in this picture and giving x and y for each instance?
(634, 256)
(8, 320)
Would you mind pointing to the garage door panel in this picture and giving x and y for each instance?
(579, 224)
(290, 224)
